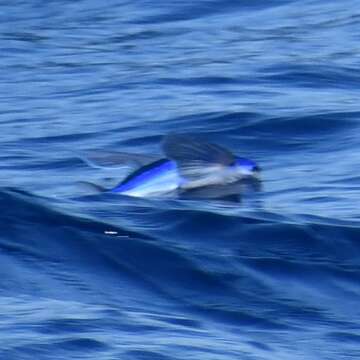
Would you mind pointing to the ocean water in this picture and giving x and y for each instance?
(100, 276)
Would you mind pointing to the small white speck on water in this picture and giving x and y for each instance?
(110, 232)
(113, 232)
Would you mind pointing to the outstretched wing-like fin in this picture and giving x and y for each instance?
(197, 160)
(113, 160)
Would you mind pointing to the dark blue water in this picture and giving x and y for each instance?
(111, 277)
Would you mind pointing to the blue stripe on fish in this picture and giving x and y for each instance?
(145, 173)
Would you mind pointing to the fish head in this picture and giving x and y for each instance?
(246, 168)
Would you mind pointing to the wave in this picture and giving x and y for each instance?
(188, 254)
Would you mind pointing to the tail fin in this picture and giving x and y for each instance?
(93, 187)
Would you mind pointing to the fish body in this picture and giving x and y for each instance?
(189, 165)
(157, 178)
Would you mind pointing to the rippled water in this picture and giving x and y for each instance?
(110, 277)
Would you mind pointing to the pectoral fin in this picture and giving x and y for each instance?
(197, 161)
(114, 160)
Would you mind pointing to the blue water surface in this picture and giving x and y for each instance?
(104, 276)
